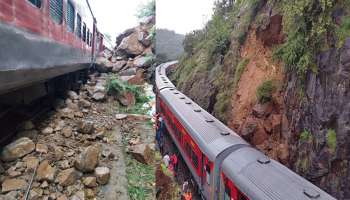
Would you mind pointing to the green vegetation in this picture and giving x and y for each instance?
(343, 31)
(264, 92)
(305, 136)
(332, 139)
(239, 70)
(147, 9)
(116, 87)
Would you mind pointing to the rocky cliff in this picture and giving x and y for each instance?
(277, 72)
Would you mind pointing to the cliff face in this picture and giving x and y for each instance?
(277, 72)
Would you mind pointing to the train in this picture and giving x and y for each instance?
(42, 40)
(223, 165)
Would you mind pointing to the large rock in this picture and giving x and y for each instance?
(88, 159)
(13, 184)
(131, 45)
(142, 153)
(119, 65)
(99, 96)
(67, 131)
(90, 181)
(67, 177)
(17, 149)
(123, 35)
(102, 175)
(143, 61)
(127, 98)
(103, 65)
(262, 110)
(128, 72)
(31, 162)
(72, 95)
(45, 172)
(138, 79)
(144, 39)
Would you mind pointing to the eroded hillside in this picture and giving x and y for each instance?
(277, 72)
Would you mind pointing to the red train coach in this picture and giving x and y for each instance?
(223, 165)
(42, 39)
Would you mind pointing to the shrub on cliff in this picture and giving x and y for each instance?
(264, 92)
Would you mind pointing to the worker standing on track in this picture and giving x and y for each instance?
(166, 160)
(174, 161)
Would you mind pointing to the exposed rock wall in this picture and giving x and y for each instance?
(305, 123)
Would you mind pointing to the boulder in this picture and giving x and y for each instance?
(119, 65)
(90, 181)
(138, 79)
(142, 153)
(131, 45)
(36, 194)
(143, 38)
(248, 129)
(47, 130)
(67, 177)
(86, 127)
(84, 103)
(67, 131)
(88, 159)
(62, 197)
(127, 98)
(13, 184)
(17, 149)
(45, 172)
(262, 110)
(143, 61)
(80, 195)
(103, 65)
(128, 72)
(102, 175)
(123, 35)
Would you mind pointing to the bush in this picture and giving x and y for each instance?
(117, 87)
(264, 92)
(343, 31)
(147, 9)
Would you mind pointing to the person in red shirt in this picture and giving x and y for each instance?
(174, 161)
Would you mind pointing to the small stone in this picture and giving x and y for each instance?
(67, 131)
(90, 193)
(17, 149)
(80, 195)
(14, 174)
(31, 162)
(47, 130)
(90, 182)
(142, 153)
(44, 185)
(13, 195)
(41, 148)
(86, 127)
(45, 171)
(72, 95)
(121, 116)
(13, 184)
(102, 175)
(62, 197)
(99, 96)
(67, 177)
(35, 194)
(64, 164)
(59, 126)
(88, 159)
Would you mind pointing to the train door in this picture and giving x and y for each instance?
(207, 176)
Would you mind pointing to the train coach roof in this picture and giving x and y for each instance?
(261, 178)
(211, 135)
(162, 80)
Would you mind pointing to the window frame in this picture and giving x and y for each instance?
(79, 26)
(84, 32)
(51, 12)
(34, 4)
(69, 3)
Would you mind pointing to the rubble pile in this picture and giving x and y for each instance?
(133, 53)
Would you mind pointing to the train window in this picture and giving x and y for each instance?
(207, 173)
(90, 39)
(37, 3)
(84, 32)
(56, 10)
(78, 26)
(88, 36)
(70, 16)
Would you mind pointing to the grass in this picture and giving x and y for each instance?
(264, 91)
(141, 179)
(239, 70)
(305, 136)
(332, 139)
(343, 31)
